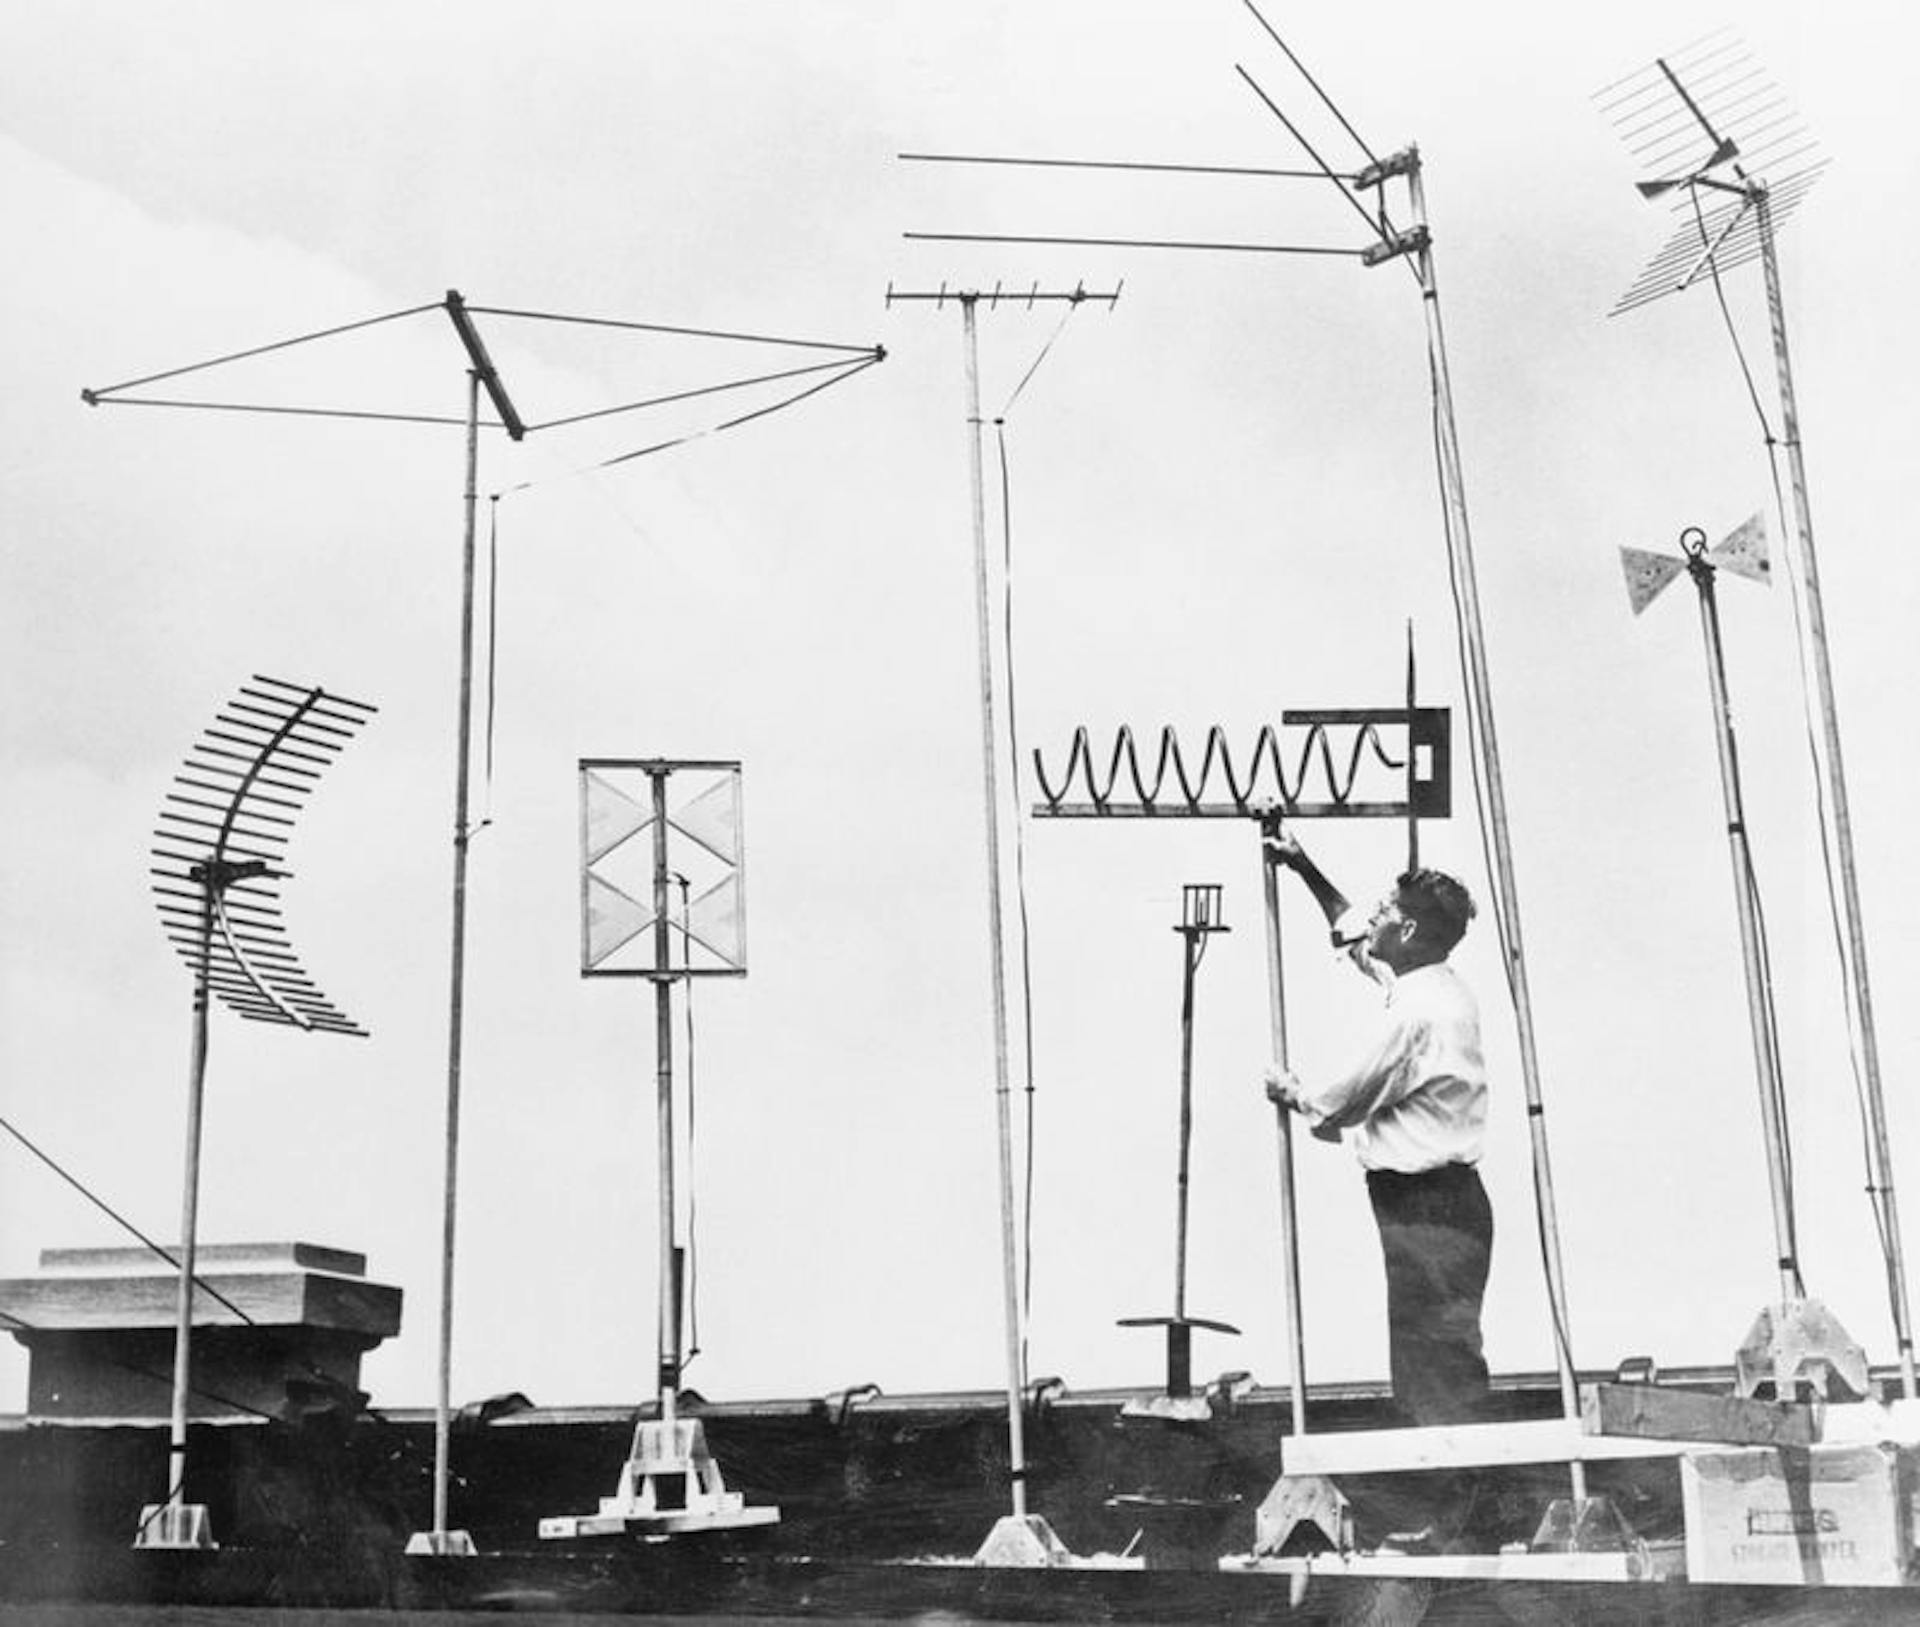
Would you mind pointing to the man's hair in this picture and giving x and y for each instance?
(1437, 904)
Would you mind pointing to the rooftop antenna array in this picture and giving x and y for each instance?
(1798, 1342)
(484, 377)
(1705, 122)
(219, 858)
(1020, 1537)
(1408, 239)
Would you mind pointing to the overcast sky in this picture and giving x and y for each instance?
(1223, 505)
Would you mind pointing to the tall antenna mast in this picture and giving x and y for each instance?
(1688, 117)
(1020, 1537)
(641, 820)
(1797, 1341)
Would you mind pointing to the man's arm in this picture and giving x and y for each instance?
(1286, 849)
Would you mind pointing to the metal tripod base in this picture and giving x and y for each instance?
(1800, 1344)
(174, 1525)
(442, 1544)
(1023, 1540)
(668, 1487)
(1302, 1514)
(1584, 1525)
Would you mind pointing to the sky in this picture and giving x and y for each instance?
(1221, 503)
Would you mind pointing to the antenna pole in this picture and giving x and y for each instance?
(1018, 1538)
(1479, 697)
(1766, 1054)
(669, 1368)
(175, 1515)
(1289, 1208)
(1859, 991)
(456, 999)
(989, 739)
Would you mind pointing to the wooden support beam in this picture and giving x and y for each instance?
(1652, 1412)
(1459, 1446)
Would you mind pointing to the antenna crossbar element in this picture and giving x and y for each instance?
(1383, 170)
(999, 294)
(483, 367)
(1414, 240)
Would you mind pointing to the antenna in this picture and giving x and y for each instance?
(1712, 93)
(1019, 1537)
(223, 835)
(1686, 117)
(645, 825)
(482, 375)
(1797, 1342)
(1200, 918)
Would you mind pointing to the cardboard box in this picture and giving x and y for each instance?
(1841, 1515)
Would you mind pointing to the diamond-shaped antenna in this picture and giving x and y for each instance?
(1706, 108)
(222, 838)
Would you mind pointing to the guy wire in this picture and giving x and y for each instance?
(1019, 825)
(493, 652)
(116, 1217)
(693, 1183)
(1019, 882)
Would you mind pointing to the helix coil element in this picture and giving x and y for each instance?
(1324, 782)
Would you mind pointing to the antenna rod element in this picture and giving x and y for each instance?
(483, 365)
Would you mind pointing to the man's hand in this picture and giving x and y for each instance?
(1283, 845)
(1283, 1088)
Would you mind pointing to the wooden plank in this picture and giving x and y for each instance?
(1659, 1563)
(1533, 1440)
(1652, 1412)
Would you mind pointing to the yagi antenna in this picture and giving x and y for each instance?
(1689, 118)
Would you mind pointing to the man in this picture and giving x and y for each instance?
(1415, 1106)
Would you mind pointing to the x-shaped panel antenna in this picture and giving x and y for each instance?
(656, 832)
(222, 839)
